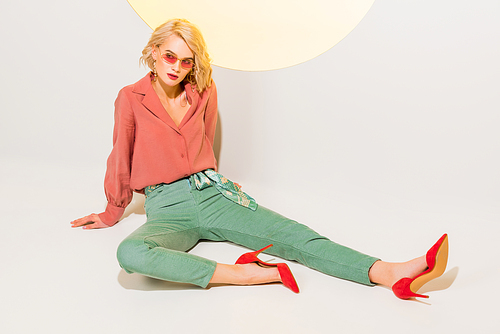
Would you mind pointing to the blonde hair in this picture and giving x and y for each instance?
(201, 74)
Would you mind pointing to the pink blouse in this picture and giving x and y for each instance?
(148, 148)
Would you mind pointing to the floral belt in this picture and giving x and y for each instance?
(226, 187)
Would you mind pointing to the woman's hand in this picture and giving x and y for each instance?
(89, 222)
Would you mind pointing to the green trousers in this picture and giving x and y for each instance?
(179, 215)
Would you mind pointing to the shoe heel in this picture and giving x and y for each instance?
(251, 256)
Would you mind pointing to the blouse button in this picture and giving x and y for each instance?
(182, 155)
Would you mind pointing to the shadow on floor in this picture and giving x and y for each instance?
(145, 283)
(441, 283)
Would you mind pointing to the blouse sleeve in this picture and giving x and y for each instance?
(117, 179)
(211, 115)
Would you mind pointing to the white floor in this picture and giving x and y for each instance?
(55, 279)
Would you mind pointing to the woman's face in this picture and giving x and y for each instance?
(169, 73)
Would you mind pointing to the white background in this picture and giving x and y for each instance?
(383, 143)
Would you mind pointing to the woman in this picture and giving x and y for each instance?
(162, 147)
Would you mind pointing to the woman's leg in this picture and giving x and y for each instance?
(158, 248)
(244, 274)
(222, 219)
(388, 273)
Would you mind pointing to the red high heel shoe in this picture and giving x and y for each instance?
(285, 273)
(437, 258)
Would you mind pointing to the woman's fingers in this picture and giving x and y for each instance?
(95, 225)
(81, 221)
(89, 222)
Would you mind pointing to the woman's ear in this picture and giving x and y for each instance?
(153, 52)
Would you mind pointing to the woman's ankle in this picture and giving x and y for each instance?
(388, 273)
(244, 274)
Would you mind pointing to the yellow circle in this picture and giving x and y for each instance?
(260, 35)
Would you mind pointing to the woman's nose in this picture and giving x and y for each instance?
(177, 66)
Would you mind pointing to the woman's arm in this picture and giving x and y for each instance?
(117, 179)
(211, 115)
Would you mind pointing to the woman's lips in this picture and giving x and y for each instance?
(172, 76)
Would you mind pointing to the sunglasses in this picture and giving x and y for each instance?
(172, 59)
